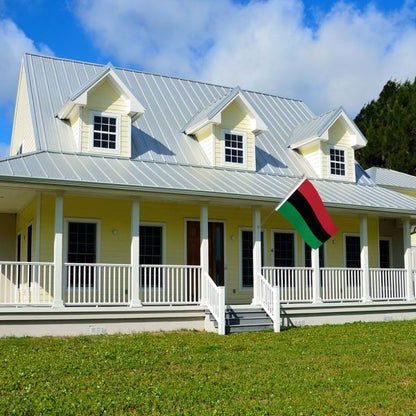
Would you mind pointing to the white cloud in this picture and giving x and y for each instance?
(13, 44)
(264, 45)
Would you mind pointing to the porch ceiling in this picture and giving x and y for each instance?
(13, 200)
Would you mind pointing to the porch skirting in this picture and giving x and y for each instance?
(70, 321)
(44, 321)
(336, 313)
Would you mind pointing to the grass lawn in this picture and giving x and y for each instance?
(355, 369)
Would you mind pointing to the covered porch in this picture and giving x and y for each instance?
(216, 272)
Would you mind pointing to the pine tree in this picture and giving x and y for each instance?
(389, 124)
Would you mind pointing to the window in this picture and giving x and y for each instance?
(308, 251)
(234, 144)
(384, 253)
(352, 251)
(105, 131)
(284, 249)
(337, 162)
(247, 257)
(151, 253)
(82, 248)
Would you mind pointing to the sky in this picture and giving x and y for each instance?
(326, 53)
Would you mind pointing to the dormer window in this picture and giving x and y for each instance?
(337, 161)
(234, 147)
(105, 132)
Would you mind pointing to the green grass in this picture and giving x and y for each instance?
(356, 369)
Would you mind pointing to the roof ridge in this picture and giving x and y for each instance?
(212, 84)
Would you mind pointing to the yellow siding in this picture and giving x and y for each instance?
(338, 136)
(8, 237)
(105, 98)
(306, 150)
(22, 125)
(232, 118)
(25, 217)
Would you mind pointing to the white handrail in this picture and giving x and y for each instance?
(170, 284)
(387, 284)
(269, 300)
(28, 283)
(215, 302)
(295, 283)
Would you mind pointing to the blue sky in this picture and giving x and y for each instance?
(327, 53)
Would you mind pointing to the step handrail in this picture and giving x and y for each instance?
(215, 302)
(270, 301)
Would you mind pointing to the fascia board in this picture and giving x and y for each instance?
(304, 142)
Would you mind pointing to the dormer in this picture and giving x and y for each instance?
(101, 113)
(328, 142)
(226, 131)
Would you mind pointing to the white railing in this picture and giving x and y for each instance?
(414, 281)
(341, 284)
(170, 284)
(388, 284)
(26, 283)
(215, 302)
(269, 300)
(295, 283)
(97, 284)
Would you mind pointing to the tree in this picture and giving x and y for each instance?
(389, 124)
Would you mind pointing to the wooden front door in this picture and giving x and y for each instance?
(215, 248)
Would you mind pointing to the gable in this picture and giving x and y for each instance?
(23, 135)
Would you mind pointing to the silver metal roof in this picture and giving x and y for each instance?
(392, 178)
(145, 176)
(314, 127)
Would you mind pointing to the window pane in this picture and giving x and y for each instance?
(247, 257)
(151, 253)
(233, 148)
(82, 248)
(384, 254)
(105, 136)
(352, 250)
(284, 250)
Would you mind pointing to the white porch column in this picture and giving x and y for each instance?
(134, 255)
(316, 276)
(410, 292)
(256, 254)
(364, 259)
(204, 252)
(58, 254)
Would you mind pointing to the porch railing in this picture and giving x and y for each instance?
(295, 283)
(170, 284)
(269, 300)
(97, 284)
(26, 283)
(388, 284)
(341, 284)
(215, 302)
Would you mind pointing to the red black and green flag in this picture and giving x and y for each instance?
(306, 212)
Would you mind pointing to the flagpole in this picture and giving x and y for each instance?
(291, 193)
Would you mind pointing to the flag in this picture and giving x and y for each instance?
(306, 212)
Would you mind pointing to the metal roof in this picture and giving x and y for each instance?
(392, 178)
(314, 127)
(170, 104)
(145, 176)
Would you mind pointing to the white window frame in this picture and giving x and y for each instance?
(233, 164)
(345, 235)
(295, 240)
(92, 148)
(163, 226)
(97, 247)
(240, 256)
(345, 150)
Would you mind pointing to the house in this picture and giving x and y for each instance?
(399, 182)
(132, 201)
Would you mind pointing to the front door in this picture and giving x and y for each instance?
(215, 248)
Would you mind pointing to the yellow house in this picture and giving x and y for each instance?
(133, 201)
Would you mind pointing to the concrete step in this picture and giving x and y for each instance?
(245, 319)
